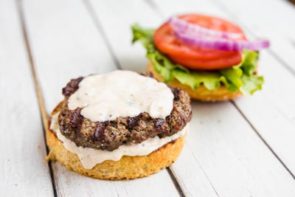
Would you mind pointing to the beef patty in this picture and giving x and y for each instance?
(109, 135)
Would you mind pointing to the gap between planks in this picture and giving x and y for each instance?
(262, 139)
(222, 6)
(40, 98)
(284, 65)
(99, 27)
(175, 182)
(155, 7)
(158, 11)
(38, 90)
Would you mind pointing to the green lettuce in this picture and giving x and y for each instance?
(240, 77)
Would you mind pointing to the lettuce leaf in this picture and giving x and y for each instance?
(240, 77)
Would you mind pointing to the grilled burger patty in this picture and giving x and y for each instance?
(109, 135)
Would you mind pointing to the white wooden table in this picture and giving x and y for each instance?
(241, 148)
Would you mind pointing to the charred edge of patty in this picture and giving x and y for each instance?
(71, 86)
(109, 135)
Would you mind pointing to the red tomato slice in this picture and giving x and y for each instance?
(195, 57)
(210, 64)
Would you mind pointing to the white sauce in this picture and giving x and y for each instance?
(121, 93)
(89, 157)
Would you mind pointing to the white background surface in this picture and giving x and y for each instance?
(241, 148)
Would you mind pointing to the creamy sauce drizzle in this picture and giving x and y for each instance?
(121, 93)
(89, 157)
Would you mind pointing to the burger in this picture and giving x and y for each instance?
(208, 57)
(118, 125)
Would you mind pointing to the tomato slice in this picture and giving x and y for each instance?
(195, 57)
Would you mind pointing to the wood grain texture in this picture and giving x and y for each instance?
(234, 158)
(231, 150)
(275, 120)
(272, 19)
(66, 44)
(138, 11)
(275, 104)
(216, 143)
(22, 145)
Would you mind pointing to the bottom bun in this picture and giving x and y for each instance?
(201, 93)
(128, 167)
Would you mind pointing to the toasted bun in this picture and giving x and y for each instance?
(200, 93)
(128, 167)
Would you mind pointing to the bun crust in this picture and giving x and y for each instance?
(200, 93)
(128, 167)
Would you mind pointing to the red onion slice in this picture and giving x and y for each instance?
(195, 29)
(205, 38)
(223, 44)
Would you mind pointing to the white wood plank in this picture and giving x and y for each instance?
(234, 159)
(138, 11)
(274, 19)
(66, 44)
(117, 29)
(22, 146)
(274, 15)
(275, 102)
(76, 185)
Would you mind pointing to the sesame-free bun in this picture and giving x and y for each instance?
(128, 167)
(200, 93)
